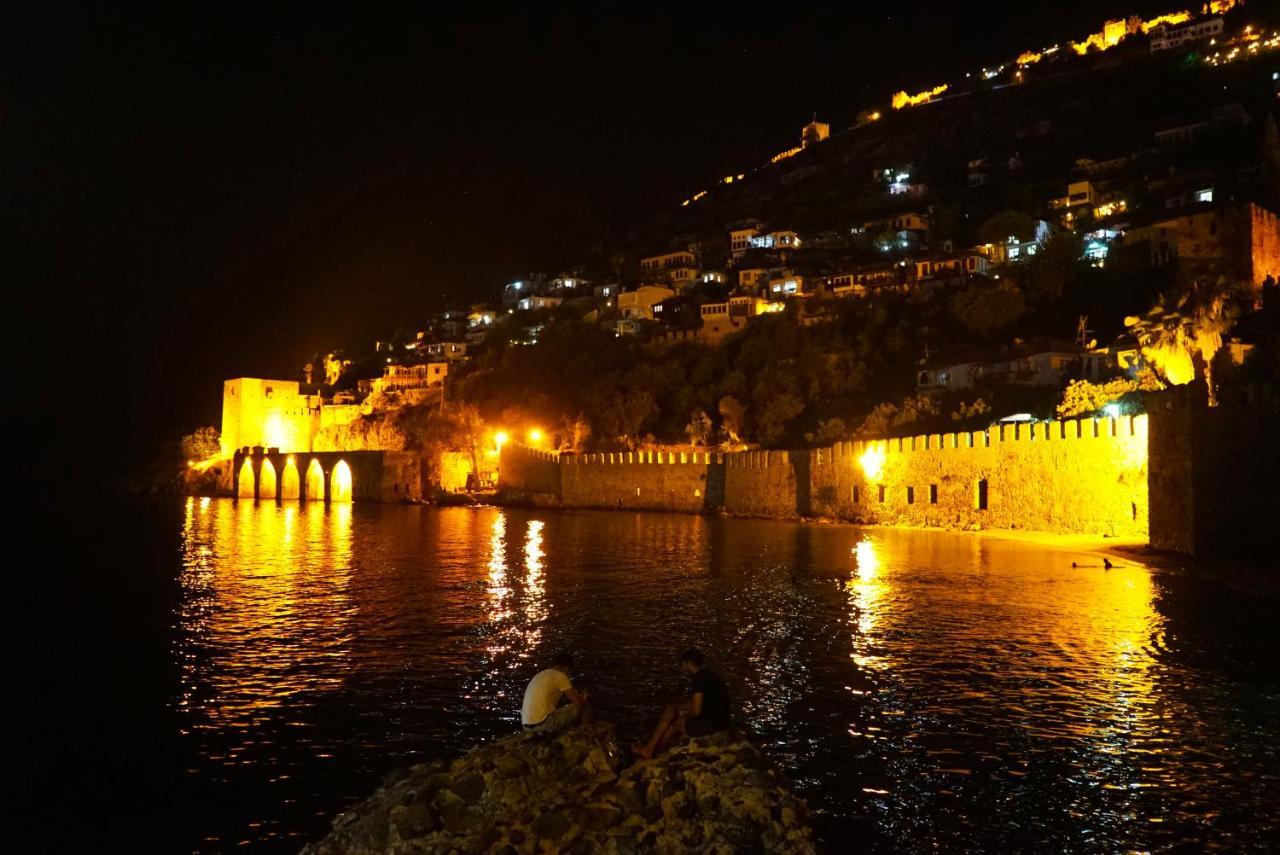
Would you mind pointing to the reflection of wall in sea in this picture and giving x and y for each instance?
(265, 606)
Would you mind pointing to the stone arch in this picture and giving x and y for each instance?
(340, 485)
(245, 486)
(267, 481)
(290, 488)
(315, 481)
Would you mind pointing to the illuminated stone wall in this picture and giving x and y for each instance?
(375, 476)
(530, 471)
(269, 413)
(766, 483)
(643, 480)
(275, 414)
(1081, 476)
(1265, 244)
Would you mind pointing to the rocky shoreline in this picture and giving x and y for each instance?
(570, 793)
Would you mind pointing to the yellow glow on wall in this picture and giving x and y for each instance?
(267, 481)
(1028, 57)
(244, 482)
(315, 482)
(289, 487)
(340, 483)
(274, 434)
(872, 462)
(902, 99)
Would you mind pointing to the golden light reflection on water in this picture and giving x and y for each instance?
(865, 590)
(498, 590)
(1063, 654)
(889, 672)
(265, 605)
(535, 612)
(517, 601)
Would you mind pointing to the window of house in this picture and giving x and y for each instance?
(881, 493)
(856, 496)
(911, 495)
(933, 494)
(980, 495)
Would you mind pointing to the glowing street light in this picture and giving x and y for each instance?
(872, 462)
(535, 436)
(500, 439)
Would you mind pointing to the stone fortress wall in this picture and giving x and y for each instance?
(277, 414)
(1081, 476)
(1186, 477)
(643, 480)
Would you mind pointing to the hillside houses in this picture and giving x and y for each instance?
(908, 202)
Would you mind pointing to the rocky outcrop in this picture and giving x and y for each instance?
(569, 793)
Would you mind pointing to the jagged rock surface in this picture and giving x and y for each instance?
(568, 794)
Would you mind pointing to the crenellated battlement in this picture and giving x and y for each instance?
(666, 458)
(535, 453)
(1086, 475)
(1054, 431)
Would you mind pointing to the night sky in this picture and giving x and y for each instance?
(225, 191)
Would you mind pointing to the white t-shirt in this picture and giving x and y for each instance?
(543, 695)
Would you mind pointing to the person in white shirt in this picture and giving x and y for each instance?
(541, 711)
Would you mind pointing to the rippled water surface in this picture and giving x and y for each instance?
(923, 690)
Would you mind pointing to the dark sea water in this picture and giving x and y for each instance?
(248, 671)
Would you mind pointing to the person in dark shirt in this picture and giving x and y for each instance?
(705, 711)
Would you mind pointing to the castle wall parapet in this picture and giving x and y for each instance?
(1080, 475)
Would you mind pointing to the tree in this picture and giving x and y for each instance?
(625, 415)
(888, 418)
(984, 308)
(776, 417)
(1083, 398)
(1006, 224)
(829, 432)
(430, 430)
(576, 431)
(967, 412)
(732, 418)
(202, 444)
(1177, 333)
(1059, 262)
(699, 428)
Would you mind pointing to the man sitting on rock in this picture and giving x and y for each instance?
(704, 712)
(541, 711)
